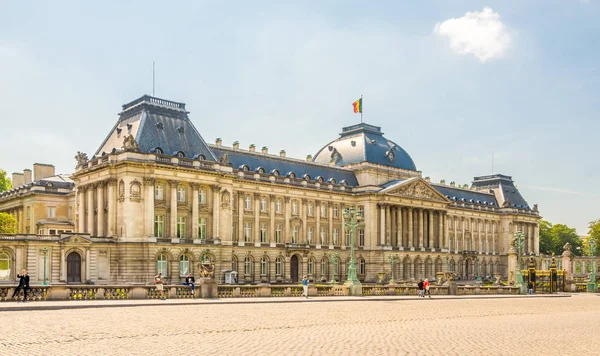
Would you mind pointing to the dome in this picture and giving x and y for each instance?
(364, 143)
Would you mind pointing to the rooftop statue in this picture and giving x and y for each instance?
(567, 247)
(81, 159)
(130, 145)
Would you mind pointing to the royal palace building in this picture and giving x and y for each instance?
(155, 197)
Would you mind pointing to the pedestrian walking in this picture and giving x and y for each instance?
(23, 284)
(420, 285)
(305, 286)
(158, 282)
(426, 288)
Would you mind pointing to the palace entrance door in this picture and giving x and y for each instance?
(294, 268)
(73, 268)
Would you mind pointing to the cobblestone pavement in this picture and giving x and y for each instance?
(477, 326)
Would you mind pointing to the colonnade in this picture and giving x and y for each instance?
(412, 228)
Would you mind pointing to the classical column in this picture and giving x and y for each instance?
(81, 209)
(90, 209)
(410, 228)
(479, 247)
(216, 213)
(493, 237)
(256, 232)
(420, 227)
(487, 236)
(87, 264)
(303, 236)
(388, 226)
(288, 231)
(173, 210)
(430, 229)
(241, 212)
(462, 225)
(272, 199)
(399, 226)
(317, 233)
(100, 224)
(382, 225)
(536, 238)
(112, 211)
(440, 238)
(446, 231)
(330, 222)
(195, 217)
(149, 207)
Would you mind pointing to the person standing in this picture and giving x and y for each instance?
(529, 287)
(23, 284)
(426, 288)
(190, 281)
(158, 281)
(305, 286)
(420, 285)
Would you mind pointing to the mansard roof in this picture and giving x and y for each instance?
(466, 196)
(503, 188)
(157, 125)
(254, 161)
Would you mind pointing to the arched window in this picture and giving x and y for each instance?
(184, 265)
(319, 179)
(332, 180)
(202, 196)
(452, 266)
(247, 266)
(292, 175)
(275, 172)
(260, 170)
(4, 266)
(161, 264)
(311, 266)
(324, 265)
(158, 151)
(362, 266)
(307, 176)
(180, 154)
(278, 266)
(234, 264)
(264, 266)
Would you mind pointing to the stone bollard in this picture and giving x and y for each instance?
(264, 290)
(312, 290)
(208, 288)
(100, 294)
(58, 293)
(139, 292)
(452, 288)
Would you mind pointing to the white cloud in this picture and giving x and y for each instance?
(481, 34)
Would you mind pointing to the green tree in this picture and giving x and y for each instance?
(554, 237)
(594, 233)
(5, 183)
(8, 224)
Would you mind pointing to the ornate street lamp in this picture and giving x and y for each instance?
(393, 259)
(45, 250)
(351, 222)
(592, 285)
(519, 242)
(335, 257)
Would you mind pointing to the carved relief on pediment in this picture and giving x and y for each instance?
(418, 190)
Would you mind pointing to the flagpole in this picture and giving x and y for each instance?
(361, 108)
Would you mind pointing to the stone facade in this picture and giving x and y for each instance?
(154, 200)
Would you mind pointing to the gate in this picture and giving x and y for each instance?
(545, 281)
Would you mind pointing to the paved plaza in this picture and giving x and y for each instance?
(318, 326)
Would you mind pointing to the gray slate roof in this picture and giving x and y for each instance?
(364, 143)
(504, 189)
(467, 196)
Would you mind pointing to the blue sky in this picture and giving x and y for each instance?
(452, 82)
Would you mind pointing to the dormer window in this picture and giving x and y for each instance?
(129, 126)
(344, 182)
(244, 168)
(319, 179)
(332, 180)
(180, 129)
(119, 132)
(260, 170)
(159, 125)
(158, 151)
(307, 176)
(292, 175)
(180, 154)
(275, 173)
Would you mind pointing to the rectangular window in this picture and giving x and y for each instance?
(361, 237)
(51, 212)
(52, 232)
(323, 236)
(263, 233)
(181, 227)
(247, 203)
(41, 231)
(323, 268)
(159, 192)
(335, 236)
(278, 266)
(181, 194)
(248, 232)
(202, 228)
(361, 211)
(263, 204)
(347, 235)
(309, 235)
(202, 196)
(295, 234)
(278, 234)
(335, 211)
(295, 207)
(278, 206)
(310, 210)
(247, 266)
(311, 267)
(323, 210)
(264, 267)
(159, 225)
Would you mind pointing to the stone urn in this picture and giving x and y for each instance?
(497, 276)
(381, 275)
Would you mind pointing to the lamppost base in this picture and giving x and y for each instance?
(44, 284)
(354, 287)
(592, 287)
(519, 283)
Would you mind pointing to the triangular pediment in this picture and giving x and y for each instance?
(76, 239)
(416, 188)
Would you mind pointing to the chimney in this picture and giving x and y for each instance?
(443, 181)
(251, 148)
(219, 142)
(41, 171)
(452, 184)
(27, 174)
(17, 180)
(309, 158)
(282, 153)
(265, 150)
(236, 145)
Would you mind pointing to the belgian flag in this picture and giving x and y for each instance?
(358, 106)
